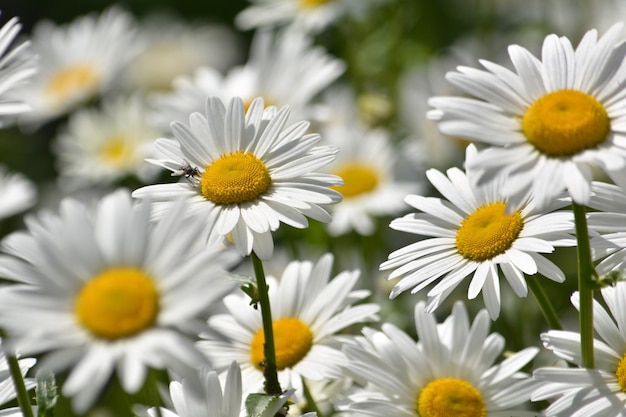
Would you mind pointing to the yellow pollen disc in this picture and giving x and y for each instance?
(266, 103)
(566, 122)
(292, 341)
(314, 3)
(621, 373)
(487, 232)
(68, 81)
(117, 303)
(358, 178)
(235, 178)
(450, 397)
(116, 151)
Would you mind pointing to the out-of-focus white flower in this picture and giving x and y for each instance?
(99, 146)
(77, 61)
(284, 69)
(17, 192)
(366, 163)
(171, 48)
(305, 15)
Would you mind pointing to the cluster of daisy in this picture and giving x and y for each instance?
(186, 167)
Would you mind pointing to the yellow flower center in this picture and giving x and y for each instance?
(116, 151)
(450, 397)
(266, 103)
(118, 303)
(310, 4)
(487, 232)
(621, 373)
(292, 341)
(358, 178)
(235, 178)
(78, 78)
(566, 122)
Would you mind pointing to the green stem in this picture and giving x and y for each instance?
(545, 305)
(152, 395)
(270, 369)
(310, 401)
(586, 278)
(23, 399)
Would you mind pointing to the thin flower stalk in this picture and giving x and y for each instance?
(586, 277)
(272, 386)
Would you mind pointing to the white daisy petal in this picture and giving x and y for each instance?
(599, 388)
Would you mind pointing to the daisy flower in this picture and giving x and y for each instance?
(249, 172)
(306, 15)
(106, 290)
(471, 233)
(100, 146)
(552, 118)
(309, 309)
(217, 401)
(451, 371)
(18, 193)
(284, 69)
(16, 66)
(582, 392)
(171, 48)
(366, 164)
(610, 242)
(77, 62)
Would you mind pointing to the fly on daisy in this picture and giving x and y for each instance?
(549, 122)
(450, 371)
(108, 290)
(471, 233)
(254, 172)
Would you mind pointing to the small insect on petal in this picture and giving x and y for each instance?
(188, 171)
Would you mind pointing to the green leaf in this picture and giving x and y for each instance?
(46, 392)
(265, 405)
